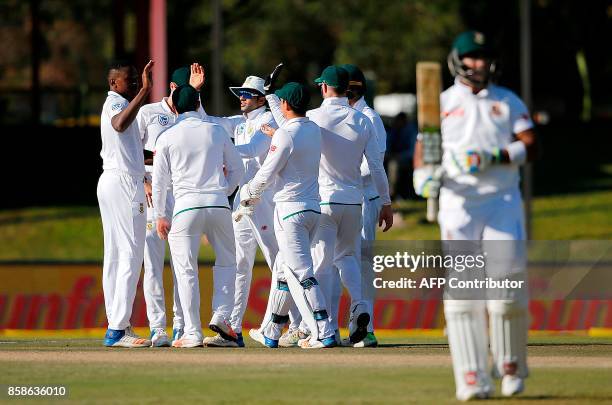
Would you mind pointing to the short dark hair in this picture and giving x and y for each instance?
(119, 64)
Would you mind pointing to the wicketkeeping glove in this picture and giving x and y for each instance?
(269, 84)
(475, 161)
(246, 198)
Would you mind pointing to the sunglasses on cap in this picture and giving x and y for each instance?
(247, 94)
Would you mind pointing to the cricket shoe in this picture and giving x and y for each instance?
(218, 341)
(512, 385)
(291, 338)
(239, 339)
(177, 333)
(224, 329)
(187, 341)
(477, 386)
(124, 338)
(368, 341)
(326, 343)
(473, 392)
(257, 336)
(359, 324)
(159, 338)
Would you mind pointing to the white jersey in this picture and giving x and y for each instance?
(346, 136)
(121, 151)
(482, 121)
(192, 155)
(153, 119)
(369, 189)
(293, 161)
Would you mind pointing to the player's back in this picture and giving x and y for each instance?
(196, 150)
(344, 135)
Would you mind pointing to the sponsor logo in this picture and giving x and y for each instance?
(470, 378)
(272, 148)
(141, 209)
(457, 112)
(149, 226)
(116, 106)
(264, 227)
(163, 120)
(496, 110)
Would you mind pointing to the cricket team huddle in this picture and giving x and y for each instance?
(310, 190)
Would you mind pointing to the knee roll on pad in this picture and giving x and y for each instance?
(508, 331)
(309, 283)
(320, 315)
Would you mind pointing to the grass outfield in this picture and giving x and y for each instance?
(564, 369)
(75, 233)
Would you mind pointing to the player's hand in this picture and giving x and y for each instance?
(163, 227)
(386, 216)
(148, 188)
(246, 198)
(197, 77)
(426, 181)
(268, 130)
(147, 73)
(269, 84)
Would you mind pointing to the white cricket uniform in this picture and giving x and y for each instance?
(123, 210)
(191, 155)
(484, 206)
(292, 165)
(153, 119)
(258, 229)
(346, 136)
(370, 211)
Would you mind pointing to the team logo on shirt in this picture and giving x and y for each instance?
(272, 148)
(250, 131)
(240, 129)
(163, 120)
(141, 208)
(116, 106)
(496, 110)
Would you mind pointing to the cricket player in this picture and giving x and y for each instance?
(258, 228)
(372, 204)
(293, 164)
(122, 200)
(192, 155)
(487, 135)
(346, 136)
(153, 119)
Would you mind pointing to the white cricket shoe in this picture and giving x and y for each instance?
(159, 338)
(188, 340)
(311, 343)
(223, 328)
(473, 392)
(218, 341)
(124, 338)
(259, 337)
(512, 385)
(291, 338)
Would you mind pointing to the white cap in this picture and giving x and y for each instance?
(251, 83)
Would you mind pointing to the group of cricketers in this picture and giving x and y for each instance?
(310, 190)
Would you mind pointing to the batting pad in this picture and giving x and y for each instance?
(508, 324)
(467, 338)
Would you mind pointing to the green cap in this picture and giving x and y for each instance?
(185, 98)
(355, 76)
(181, 76)
(295, 94)
(334, 76)
(471, 42)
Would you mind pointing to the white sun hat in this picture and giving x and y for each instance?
(252, 83)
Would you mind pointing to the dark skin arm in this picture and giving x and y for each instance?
(124, 119)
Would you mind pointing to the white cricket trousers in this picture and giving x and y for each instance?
(257, 230)
(124, 212)
(370, 212)
(491, 220)
(188, 226)
(153, 279)
(337, 243)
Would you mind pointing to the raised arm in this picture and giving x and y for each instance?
(124, 119)
(274, 103)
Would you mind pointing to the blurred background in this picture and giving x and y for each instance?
(53, 64)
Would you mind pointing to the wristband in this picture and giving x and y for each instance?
(517, 152)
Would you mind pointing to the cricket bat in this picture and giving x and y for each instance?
(428, 89)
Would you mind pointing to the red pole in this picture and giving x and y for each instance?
(157, 46)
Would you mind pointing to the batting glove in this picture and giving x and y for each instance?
(476, 161)
(426, 181)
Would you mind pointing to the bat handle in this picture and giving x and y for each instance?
(432, 209)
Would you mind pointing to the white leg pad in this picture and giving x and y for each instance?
(508, 322)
